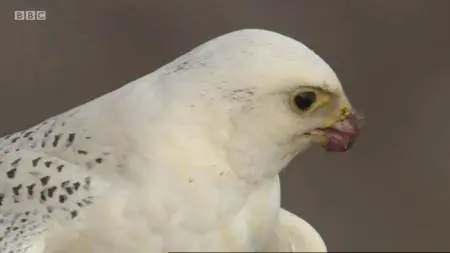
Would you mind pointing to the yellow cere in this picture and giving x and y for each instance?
(342, 113)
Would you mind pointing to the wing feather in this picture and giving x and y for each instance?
(294, 234)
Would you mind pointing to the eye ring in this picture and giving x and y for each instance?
(304, 100)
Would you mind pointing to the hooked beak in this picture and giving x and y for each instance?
(341, 136)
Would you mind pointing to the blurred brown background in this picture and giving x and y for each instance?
(392, 192)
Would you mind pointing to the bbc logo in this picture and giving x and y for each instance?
(30, 15)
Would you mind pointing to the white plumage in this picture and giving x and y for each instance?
(183, 159)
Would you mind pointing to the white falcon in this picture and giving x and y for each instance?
(183, 159)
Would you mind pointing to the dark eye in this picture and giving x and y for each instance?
(304, 100)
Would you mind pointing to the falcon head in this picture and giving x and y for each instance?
(262, 97)
(276, 88)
